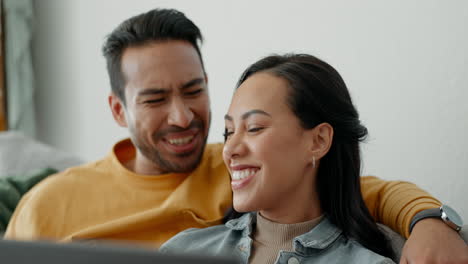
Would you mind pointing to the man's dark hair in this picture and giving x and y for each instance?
(155, 25)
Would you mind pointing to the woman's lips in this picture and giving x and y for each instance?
(241, 175)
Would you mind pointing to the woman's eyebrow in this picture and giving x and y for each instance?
(248, 114)
(227, 117)
(253, 112)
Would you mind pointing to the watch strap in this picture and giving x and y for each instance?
(428, 213)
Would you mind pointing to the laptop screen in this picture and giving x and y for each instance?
(21, 252)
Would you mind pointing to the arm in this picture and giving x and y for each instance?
(432, 241)
(395, 203)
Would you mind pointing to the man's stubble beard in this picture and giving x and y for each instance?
(168, 166)
(154, 155)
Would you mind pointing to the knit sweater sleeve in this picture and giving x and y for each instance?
(394, 203)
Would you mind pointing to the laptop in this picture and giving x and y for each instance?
(22, 252)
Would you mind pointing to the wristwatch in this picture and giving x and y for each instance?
(445, 212)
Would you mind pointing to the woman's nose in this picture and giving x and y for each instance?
(234, 146)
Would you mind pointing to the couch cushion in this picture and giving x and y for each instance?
(19, 155)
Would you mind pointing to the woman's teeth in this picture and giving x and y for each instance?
(180, 141)
(241, 174)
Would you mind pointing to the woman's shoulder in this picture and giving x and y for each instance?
(360, 254)
(334, 246)
(206, 241)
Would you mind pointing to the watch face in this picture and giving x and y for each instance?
(451, 215)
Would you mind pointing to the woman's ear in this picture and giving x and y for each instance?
(118, 110)
(322, 136)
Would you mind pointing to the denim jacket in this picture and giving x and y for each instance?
(323, 244)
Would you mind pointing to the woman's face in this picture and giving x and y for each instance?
(267, 151)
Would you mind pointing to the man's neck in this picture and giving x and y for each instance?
(141, 165)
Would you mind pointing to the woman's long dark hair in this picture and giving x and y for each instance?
(318, 94)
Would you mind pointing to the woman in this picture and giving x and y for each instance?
(292, 148)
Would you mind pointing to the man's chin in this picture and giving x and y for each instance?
(187, 161)
(173, 160)
(183, 162)
(182, 167)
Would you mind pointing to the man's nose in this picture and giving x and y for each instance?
(180, 114)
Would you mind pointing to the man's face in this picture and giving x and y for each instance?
(167, 106)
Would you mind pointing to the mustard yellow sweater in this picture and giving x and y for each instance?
(105, 201)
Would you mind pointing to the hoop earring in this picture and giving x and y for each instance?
(313, 162)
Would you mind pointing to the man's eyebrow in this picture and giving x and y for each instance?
(192, 83)
(248, 114)
(152, 91)
(156, 91)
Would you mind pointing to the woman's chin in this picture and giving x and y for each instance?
(243, 207)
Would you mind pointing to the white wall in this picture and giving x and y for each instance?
(405, 63)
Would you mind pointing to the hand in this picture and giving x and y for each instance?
(432, 241)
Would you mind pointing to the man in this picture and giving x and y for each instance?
(166, 179)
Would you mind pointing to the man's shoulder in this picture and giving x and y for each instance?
(74, 177)
(214, 149)
(214, 153)
(42, 209)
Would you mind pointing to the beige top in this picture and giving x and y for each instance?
(270, 237)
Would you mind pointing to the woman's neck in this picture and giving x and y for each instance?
(294, 212)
